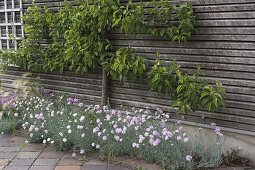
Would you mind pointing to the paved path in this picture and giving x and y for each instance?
(15, 155)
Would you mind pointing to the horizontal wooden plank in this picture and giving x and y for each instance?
(225, 31)
(226, 15)
(239, 38)
(200, 2)
(194, 45)
(189, 50)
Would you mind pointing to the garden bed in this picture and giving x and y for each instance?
(66, 123)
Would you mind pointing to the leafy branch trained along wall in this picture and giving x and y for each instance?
(77, 41)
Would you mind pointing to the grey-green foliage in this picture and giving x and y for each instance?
(207, 149)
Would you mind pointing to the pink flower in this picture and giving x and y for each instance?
(155, 133)
(118, 130)
(217, 129)
(156, 142)
(186, 139)
(188, 157)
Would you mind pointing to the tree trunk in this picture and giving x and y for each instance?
(104, 99)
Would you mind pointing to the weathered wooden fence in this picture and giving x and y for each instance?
(223, 45)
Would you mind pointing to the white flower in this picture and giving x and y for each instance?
(117, 138)
(93, 144)
(52, 142)
(179, 138)
(68, 127)
(188, 157)
(79, 127)
(48, 139)
(146, 134)
(74, 155)
(213, 124)
(99, 133)
(82, 151)
(64, 140)
(26, 142)
(16, 114)
(82, 118)
(98, 121)
(108, 117)
(104, 107)
(44, 141)
(83, 135)
(31, 128)
(96, 129)
(97, 146)
(46, 131)
(104, 137)
(80, 104)
(31, 135)
(60, 133)
(36, 129)
(69, 131)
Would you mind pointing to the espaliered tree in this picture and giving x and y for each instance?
(75, 39)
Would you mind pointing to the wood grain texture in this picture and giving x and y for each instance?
(223, 45)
